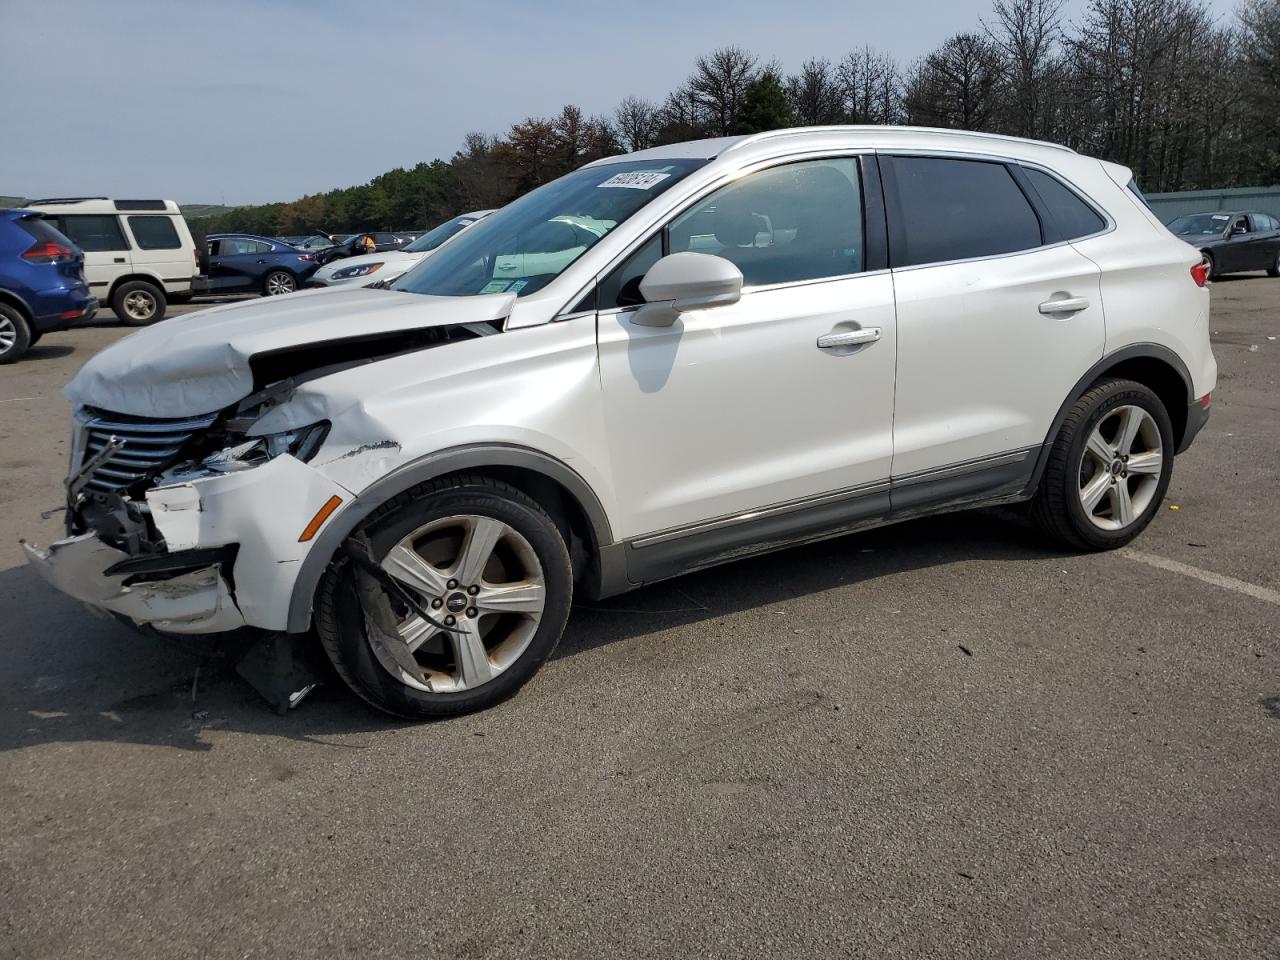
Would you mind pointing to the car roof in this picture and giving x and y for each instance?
(853, 135)
(244, 236)
(103, 205)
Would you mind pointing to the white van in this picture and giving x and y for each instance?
(138, 254)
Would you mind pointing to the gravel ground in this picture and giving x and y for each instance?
(940, 739)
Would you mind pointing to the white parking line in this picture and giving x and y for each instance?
(1265, 594)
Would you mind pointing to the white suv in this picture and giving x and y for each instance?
(138, 254)
(659, 362)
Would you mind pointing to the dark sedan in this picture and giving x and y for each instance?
(239, 263)
(1233, 241)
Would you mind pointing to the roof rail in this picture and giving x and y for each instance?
(32, 203)
(890, 128)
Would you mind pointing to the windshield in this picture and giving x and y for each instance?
(528, 243)
(1200, 224)
(433, 238)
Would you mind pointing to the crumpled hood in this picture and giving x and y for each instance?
(199, 363)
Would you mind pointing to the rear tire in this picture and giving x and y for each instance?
(15, 334)
(279, 282)
(1108, 468)
(1274, 269)
(138, 303)
(471, 549)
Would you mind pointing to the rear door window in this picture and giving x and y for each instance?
(949, 209)
(1071, 215)
(154, 233)
(93, 233)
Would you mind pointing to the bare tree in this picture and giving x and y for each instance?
(637, 122)
(957, 85)
(871, 84)
(719, 82)
(815, 93)
(1260, 46)
(1026, 33)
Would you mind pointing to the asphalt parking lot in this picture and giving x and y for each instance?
(939, 739)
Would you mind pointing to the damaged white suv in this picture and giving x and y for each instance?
(659, 362)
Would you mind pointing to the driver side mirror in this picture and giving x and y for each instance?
(686, 281)
(1239, 230)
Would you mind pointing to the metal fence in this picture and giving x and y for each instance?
(1170, 205)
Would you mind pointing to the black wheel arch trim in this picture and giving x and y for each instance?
(454, 460)
(1135, 351)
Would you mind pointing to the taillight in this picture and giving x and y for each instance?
(1200, 273)
(49, 251)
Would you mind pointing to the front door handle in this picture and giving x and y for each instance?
(849, 338)
(1066, 305)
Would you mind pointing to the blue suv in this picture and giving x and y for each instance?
(42, 285)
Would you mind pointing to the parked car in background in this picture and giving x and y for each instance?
(656, 363)
(359, 243)
(382, 268)
(138, 254)
(316, 241)
(241, 263)
(1233, 241)
(42, 285)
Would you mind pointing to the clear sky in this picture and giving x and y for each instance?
(247, 101)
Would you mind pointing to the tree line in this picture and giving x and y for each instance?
(1157, 85)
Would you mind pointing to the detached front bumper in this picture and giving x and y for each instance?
(191, 601)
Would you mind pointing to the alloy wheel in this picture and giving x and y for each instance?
(8, 334)
(279, 283)
(140, 305)
(483, 585)
(1120, 468)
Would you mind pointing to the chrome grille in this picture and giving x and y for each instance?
(150, 443)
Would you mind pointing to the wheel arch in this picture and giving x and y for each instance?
(556, 486)
(11, 299)
(1151, 364)
(130, 278)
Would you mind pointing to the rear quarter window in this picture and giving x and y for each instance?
(154, 233)
(951, 209)
(1071, 215)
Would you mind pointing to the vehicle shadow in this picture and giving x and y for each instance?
(68, 676)
(49, 351)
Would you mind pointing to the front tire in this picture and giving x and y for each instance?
(1108, 469)
(15, 334)
(138, 303)
(278, 282)
(484, 561)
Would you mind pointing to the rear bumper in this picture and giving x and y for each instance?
(200, 284)
(1197, 417)
(75, 310)
(195, 601)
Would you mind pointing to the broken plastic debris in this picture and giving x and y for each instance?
(1174, 506)
(1253, 348)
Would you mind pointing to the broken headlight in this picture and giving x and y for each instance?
(254, 451)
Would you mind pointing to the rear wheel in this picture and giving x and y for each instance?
(449, 600)
(1108, 469)
(278, 282)
(138, 303)
(15, 334)
(1274, 269)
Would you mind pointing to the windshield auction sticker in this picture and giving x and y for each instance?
(636, 179)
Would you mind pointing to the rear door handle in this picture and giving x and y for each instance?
(849, 338)
(1066, 305)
